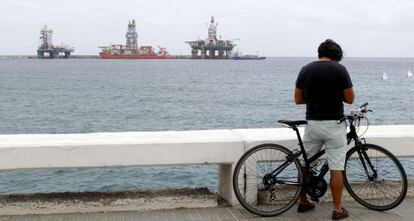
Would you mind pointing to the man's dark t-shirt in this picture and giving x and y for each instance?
(322, 83)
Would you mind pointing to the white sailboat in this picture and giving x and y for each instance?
(385, 77)
(409, 74)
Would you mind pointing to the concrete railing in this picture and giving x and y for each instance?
(222, 147)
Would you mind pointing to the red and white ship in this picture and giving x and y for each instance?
(131, 49)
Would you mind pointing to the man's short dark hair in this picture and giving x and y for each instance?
(330, 49)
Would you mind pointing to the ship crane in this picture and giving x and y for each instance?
(161, 48)
(162, 51)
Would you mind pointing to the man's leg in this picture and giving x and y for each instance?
(337, 185)
(303, 199)
(304, 204)
(312, 145)
(336, 153)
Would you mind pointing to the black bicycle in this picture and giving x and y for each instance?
(268, 178)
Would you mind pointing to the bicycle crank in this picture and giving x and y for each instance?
(316, 187)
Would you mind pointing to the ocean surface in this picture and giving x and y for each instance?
(92, 95)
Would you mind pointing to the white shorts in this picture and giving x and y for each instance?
(331, 136)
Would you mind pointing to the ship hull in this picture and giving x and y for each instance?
(248, 58)
(109, 56)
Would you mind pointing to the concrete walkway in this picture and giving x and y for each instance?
(322, 212)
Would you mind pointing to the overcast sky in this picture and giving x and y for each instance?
(364, 28)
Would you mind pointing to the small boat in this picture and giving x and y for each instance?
(239, 56)
(384, 77)
(409, 74)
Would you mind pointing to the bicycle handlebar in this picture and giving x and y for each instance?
(356, 114)
(359, 113)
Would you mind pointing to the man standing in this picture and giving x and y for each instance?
(323, 86)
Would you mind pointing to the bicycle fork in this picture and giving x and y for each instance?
(363, 157)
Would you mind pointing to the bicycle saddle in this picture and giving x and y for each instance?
(293, 123)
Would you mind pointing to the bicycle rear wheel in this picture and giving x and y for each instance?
(257, 189)
(382, 185)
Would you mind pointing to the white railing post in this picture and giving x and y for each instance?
(225, 183)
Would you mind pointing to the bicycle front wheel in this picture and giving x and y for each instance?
(374, 177)
(267, 181)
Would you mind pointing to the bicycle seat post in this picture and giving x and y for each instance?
(298, 135)
(301, 146)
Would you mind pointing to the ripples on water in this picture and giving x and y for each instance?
(108, 179)
(80, 96)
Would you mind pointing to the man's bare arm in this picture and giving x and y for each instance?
(299, 99)
(349, 95)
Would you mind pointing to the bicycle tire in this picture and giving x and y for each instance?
(392, 173)
(265, 202)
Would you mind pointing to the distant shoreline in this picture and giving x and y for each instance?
(72, 57)
(181, 57)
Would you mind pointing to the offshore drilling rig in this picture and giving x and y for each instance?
(212, 47)
(48, 50)
(131, 50)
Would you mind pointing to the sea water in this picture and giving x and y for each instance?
(92, 95)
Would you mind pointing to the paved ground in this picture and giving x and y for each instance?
(323, 212)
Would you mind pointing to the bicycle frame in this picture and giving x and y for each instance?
(351, 136)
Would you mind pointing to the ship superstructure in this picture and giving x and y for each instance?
(212, 47)
(131, 50)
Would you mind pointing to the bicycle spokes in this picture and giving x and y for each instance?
(374, 177)
(266, 182)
